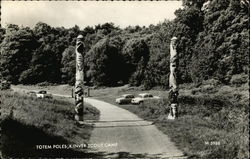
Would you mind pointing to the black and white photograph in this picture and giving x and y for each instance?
(124, 79)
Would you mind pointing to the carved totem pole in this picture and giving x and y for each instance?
(173, 93)
(79, 84)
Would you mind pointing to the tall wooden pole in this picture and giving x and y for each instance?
(79, 84)
(173, 93)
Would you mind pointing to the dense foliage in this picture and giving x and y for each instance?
(213, 43)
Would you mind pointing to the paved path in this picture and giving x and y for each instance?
(119, 130)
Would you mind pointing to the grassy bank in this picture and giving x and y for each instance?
(213, 120)
(27, 122)
(56, 89)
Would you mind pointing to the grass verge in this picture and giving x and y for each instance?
(213, 120)
(27, 122)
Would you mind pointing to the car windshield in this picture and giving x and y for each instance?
(141, 96)
(42, 92)
(126, 96)
(129, 96)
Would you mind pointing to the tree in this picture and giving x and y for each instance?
(157, 70)
(106, 28)
(51, 46)
(136, 56)
(68, 65)
(104, 62)
(16, 52)
(188, 24)
(196, 3)
(42, 29)
(219, 52)
(2, 32)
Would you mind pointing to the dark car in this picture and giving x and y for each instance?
(125, 99)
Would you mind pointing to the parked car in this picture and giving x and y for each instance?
(142, 97)
(125, 99)
(43, 94)
(31, 94)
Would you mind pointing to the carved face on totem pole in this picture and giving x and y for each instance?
(80, 49)
(79, 42)
(173, 42)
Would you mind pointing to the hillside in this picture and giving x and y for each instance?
(28, 125)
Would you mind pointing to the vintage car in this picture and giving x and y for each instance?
(43, 94)
(31, 93)
(142, 97)
(125, 99)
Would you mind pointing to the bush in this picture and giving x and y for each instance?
(239, 79)
(212, 81)
(46, 84)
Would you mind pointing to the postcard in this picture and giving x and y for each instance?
(124, 79)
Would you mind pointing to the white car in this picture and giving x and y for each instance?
(43, 94)
(125, 99)
(142, 97)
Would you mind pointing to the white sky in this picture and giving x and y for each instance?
(87, 13)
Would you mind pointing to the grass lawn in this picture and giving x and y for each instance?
(28, 122)
(213, 120)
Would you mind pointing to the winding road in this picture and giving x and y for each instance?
(119, 130)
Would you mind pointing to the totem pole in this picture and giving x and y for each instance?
(173, 93)
(79, 84)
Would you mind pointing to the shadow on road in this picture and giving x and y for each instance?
(119, 123)
(110, 121)
(141, 156)
(117, 126)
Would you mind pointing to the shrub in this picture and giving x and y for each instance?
(239, 79)
(211, 82)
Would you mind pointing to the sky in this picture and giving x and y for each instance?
(87, 13)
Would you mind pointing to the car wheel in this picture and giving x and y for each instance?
(141, 102)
